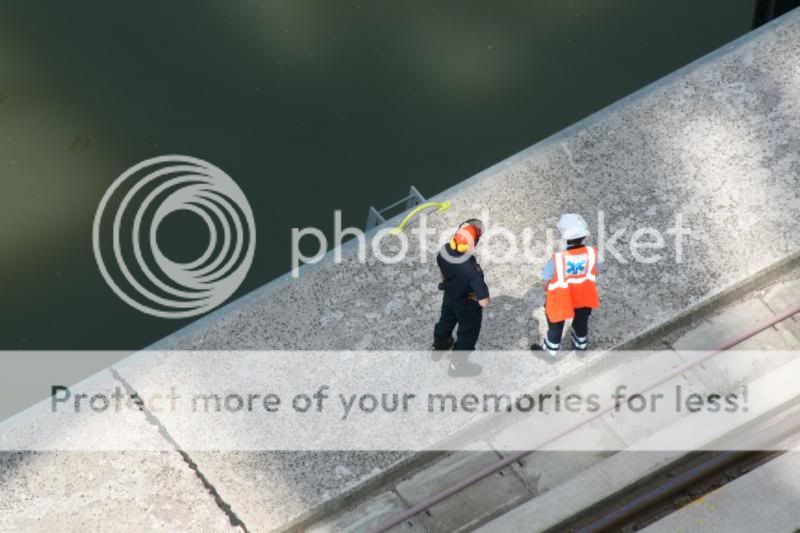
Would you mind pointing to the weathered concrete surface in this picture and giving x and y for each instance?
(152, 489)
(762, 500)
(717, 142)
(104, 491)
(282, 485)
(73, 424)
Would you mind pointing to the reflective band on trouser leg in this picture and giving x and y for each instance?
(550, 347)
(580, 343)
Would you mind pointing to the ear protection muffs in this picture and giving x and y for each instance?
(466, 237)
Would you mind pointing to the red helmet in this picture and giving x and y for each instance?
(467, 236)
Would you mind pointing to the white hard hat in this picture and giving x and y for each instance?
(572, 226)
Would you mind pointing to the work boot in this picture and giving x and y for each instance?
(543, 347)
(461, 367)
(579, 343)
(439, 346)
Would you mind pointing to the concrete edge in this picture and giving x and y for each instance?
(375, 485)
(714, 301)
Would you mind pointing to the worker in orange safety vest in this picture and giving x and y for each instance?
(571, 292)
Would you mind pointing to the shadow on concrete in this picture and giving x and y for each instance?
(511, 323)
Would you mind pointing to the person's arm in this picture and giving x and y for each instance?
(547, 273)
(478, 285)
(441, 272)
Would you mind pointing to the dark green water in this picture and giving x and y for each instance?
(309, 106)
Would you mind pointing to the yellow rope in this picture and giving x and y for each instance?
(443, 206)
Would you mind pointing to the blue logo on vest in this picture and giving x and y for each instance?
(576, 266)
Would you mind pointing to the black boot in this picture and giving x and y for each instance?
(439, 346)
(536, 347)
(461, 367)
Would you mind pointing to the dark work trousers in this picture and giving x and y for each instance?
(580, 325)
(467, 314)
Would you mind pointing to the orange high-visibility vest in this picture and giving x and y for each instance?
(573, 284)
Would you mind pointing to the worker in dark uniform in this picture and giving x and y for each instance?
(465, 296)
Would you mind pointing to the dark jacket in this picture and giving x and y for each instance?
(463, 277)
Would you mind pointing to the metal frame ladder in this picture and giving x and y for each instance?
(375, 217)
